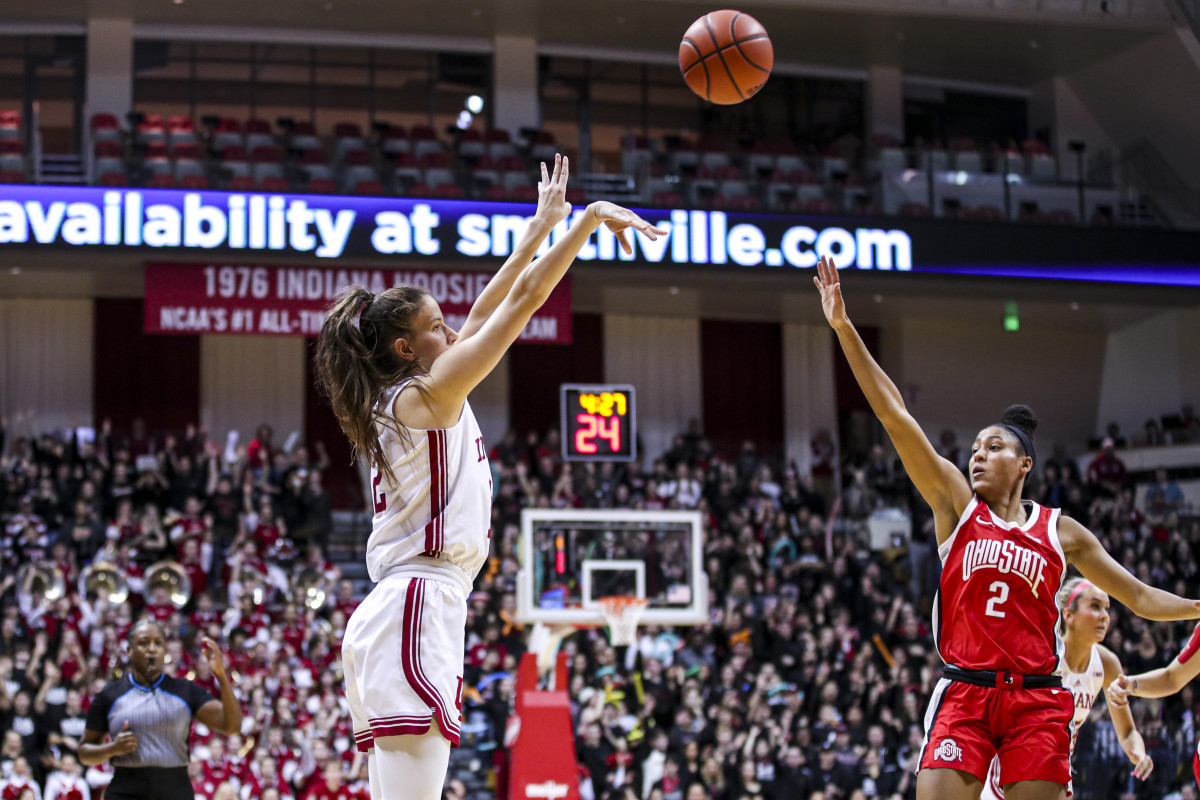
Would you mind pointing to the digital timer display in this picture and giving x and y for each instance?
(598, 422)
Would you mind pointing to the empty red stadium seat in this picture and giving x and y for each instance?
(511, 164)
(185, 151)
(523, 194)
(435, 161)
(667, 200)
(914, 210)
(12, 176)
(322, 186)
(162, 180)
(104, 122)
(113, 179)
(180, 122)
(241, 183)
(194, 182)
(496, 193)
(497, 135)
(422, 133)
(13, 147)
(270, 155)
(418, 190)
(276, 185)
(358, 157)
(257, 126)
(577, 197)
(347, 130)
(743, 202)
(448, 191)
(233, 153)
(368, 188)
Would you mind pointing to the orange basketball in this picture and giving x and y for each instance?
(726, 57)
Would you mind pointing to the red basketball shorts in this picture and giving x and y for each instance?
(1028, 729)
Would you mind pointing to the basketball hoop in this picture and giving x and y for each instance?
(622, 613)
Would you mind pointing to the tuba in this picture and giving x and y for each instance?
(174, 578)
(43, 581)
(310, 587)
(106, 580)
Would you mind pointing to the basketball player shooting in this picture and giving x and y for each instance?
(995, 614)
(397, 377)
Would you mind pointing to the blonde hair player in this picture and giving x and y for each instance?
(1088, 667)
(1162, 682)
(995, 616)
(397, 377)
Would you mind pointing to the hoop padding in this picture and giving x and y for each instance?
(622, 613)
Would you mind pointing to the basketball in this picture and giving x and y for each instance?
(726, 57)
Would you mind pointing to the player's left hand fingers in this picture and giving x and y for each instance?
(1144, 767)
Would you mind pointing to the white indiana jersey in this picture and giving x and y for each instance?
(440, 505)
(1084, 687)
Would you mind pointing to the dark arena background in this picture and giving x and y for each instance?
(1010, 188)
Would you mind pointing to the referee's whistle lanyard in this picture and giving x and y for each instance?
(149, 687)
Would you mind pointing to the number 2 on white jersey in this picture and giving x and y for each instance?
(1001, 590)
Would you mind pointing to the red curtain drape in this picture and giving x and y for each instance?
(320, 425)
(135, 374)
(536, 370)
(742, 382)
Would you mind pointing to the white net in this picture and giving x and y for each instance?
(622, 614)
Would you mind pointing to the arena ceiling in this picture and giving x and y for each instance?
(1007, 42)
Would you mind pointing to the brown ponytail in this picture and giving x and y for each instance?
(356, 362)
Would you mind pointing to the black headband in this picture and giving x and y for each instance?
(1022, 437)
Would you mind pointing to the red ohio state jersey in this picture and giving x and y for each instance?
(996, 607)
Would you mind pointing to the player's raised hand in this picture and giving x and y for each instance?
(620, 219)
(829, 284)
(552, 191)
(1118, 691)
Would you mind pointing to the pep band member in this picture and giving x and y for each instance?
(149, 716)
(1088, 667)
(398, 377)
(995, 614)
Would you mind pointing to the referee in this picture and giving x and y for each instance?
(149, 716)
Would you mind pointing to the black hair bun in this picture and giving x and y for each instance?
(1021, 417)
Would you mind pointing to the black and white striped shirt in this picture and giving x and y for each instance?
(160, 714)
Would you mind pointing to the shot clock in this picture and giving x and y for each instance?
(598, 422)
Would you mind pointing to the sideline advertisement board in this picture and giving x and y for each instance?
(291, 301)
(345, 228)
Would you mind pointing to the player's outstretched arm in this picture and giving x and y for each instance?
(1161, 682)
(457, 371)
(941, 483)
(1122, 720)
(552, 208)
(1083, 549)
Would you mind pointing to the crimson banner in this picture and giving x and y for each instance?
(291, 301)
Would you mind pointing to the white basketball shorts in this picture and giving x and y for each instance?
(403, 658)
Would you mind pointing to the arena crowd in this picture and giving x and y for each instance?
(810, 681)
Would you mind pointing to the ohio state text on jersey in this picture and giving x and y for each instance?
(996, 606)
(440, 505)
